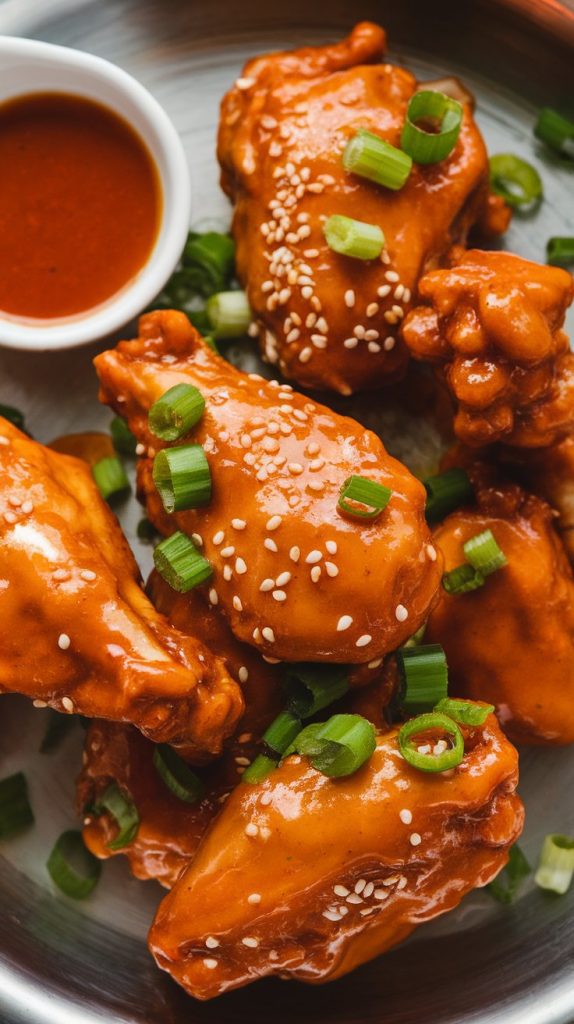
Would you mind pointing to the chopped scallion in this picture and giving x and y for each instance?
(146, 531)
(369, 498)
(464, 711)
(424, 732)
(517, 181)
(176, 412)
(431, 127)
(229, 314)
(556, 131)
(560, 251)
(15, 811)
(72, 867)
(14, 416)
(182, 477)
(354, 238)
(505, 886)
(259, 769)
(424, 675)
(124, 812)
(110, 476)
(369, 156)
(208, 261)
(123, 440)
(462, 579)
(281, 733)
(484, 554)
(338, 747)
(177, 775)
(556, 866)
(180, 564)
(311, 687)
(446, 492)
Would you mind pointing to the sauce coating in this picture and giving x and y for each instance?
(80, 205)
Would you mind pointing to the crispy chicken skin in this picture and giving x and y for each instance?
(511, 642)
(332, 897)
(76, 630)
(493, 323)
(330, 321)
(300, 580)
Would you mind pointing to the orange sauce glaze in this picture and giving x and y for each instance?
(80, 205)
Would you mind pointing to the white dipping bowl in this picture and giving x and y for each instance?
(29, 66)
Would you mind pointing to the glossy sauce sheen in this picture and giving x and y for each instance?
(80, 205)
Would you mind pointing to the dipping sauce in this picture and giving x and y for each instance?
(80, 205)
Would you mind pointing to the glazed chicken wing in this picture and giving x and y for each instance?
(76, 630)
(293, 574)
(511, 642)
(328, 320)
(493, 323)
(549, 472)
(307, 877)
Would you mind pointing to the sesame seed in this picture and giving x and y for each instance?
(353, 898)
(197, 539)
(305, 353)
(251, 829)
(270, 544)
(228, 551)
(237, 603)
(368, 890)
(274, 523)
(27, 507)
(359, 331)
(340, 890)
(250, 942)
(243, 674)
(316, 573)
(424, 748)
(398, 311)
(293, 335)
(392, 276)
(238, 524)
(244, 83)
(295, 468)
(360, 885)
(431, 552)
(4, 440)
(267, 584)
(406, 295)
(9, 517)
(316, 464)
(39, 703)
(390, 317)
(331, 546)
(279, 595)
(295, 554)
(344, 622)
(227, 573)
(371, 335)
(310, 254)
(399, 291)
(363, 640)
(401, 613)
(254, 897)
(64, 641)
(383, 291)
(372, 309)
(402, 882)
(213, 597)
(249, 459)
(14, 501)
(68, 704)
(375, 663)
(380, 894)
(331, 569)
(218, 538)
(331, 915)
(282, 579)
(261, 475)
(209, 963)
(211, 942)
(268, 634)
(266, 798)
(406, 816)
(61, 575)
(243, 761)
(313, 557)
(389, 343)
(240, 566)
(319, 341)
(440, 747)
(374, 346)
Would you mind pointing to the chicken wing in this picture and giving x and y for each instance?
(294, 575)
(549, 472)
(282, 885)
(76, 630)
(493, 323)
(511, 642)
(327, 320)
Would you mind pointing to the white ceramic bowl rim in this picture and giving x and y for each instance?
(165, 146)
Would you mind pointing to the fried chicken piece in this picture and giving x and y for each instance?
(511, 642)
(76, 630)
(307, 877)
(493, 323)
(331, 321)
(549, 472)
(293, 574)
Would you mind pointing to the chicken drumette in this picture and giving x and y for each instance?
(327, 320)
(511, 642)
(295, 575)
(307, 877)
(76, 630)
(493, 323)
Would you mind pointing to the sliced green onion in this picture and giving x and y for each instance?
(180, 564)
(176, 412)
(146, 531)
(210, 342)
(556, 866)
(446, 492)
(123, 440)
(424, 675)
(417, 638)
(339, 746)
(208, 262)
(182, 477)
(259, 769)
(556, 131)
(200, 320)
(72, 867)
(462, 579)
(464, 711)
(411, 738)
(281, 733)
(177, 775)
(505, 886)
(310, 688)
(354, 238)
(57, 729)
(371, 496)
(436, 111)
(560, 251)
(369, 156)
(15, 811)
(229, 314)
(110, 476)
(14, 416)
(484, 554)
(124, 812)
(517, 181)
